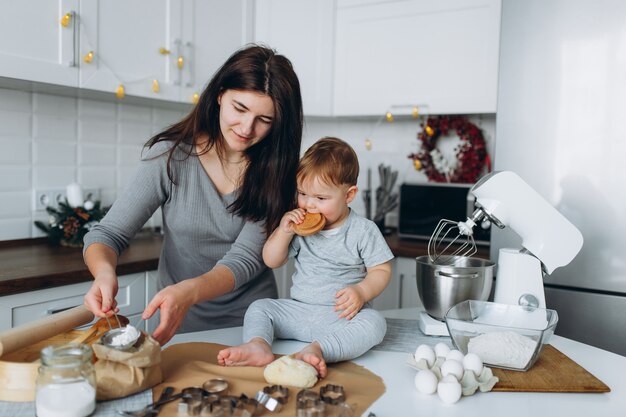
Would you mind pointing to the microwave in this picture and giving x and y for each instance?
(422, 205)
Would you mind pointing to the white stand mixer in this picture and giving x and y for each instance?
(549, 240)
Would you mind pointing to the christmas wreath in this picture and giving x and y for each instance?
(471, 154)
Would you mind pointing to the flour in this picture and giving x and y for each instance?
(128, 335)
(76, 399)
(503, 349)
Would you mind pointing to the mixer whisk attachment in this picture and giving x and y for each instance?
(453, 240)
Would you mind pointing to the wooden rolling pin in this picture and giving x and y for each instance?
(36, 331)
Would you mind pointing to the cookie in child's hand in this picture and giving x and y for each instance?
(313, 223)
(289, 371)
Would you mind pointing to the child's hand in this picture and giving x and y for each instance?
(350, 300)
(290, 218)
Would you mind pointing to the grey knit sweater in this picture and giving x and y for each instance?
(199, 232)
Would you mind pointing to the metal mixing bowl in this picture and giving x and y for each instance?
(442, 286)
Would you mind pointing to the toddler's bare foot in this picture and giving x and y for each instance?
(254, 353)
(312, 354)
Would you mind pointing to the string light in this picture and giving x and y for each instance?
(155, 86)
(88, 58)
(120, 92)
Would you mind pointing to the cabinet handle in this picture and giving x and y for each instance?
(68, 19)
(401, 281)
(179, 63)
(58, 310)
(191, 81)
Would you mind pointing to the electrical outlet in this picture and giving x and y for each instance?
(47, 198)
(52, 197)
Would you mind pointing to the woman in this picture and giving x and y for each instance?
(223, 176)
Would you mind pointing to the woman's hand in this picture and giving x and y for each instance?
(174, 301)
(100, 299)
(349, 301)
(290, 218)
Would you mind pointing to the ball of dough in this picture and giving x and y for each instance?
(289, 371)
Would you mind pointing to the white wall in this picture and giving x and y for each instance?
(48, 141)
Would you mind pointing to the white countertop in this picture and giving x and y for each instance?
(401, 394)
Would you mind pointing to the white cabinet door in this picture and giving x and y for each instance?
(390, 298)
(152, 284)
(126, 38)
(212, 31)
(303, 31)
(35, 46)
(406, 274)
(19, 309)
(442, 53)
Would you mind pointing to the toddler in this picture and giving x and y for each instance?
(338, 271)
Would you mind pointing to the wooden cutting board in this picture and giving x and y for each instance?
(553, 372)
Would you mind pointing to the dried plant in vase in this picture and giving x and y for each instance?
(68, 225)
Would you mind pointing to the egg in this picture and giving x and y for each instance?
(449, 389)
(425, 352)
(426, 382)
(472, 362)
(456, 355)
(441, 349)
(452, 367)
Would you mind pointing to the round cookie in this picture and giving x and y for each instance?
(289, 371)
(313, 223)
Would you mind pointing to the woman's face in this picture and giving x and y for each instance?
(245, 118)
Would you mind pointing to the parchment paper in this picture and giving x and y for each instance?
(190, 364)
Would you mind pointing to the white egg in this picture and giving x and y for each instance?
(452, 367)
(449, 389)
(456, 355)
(472, 362)
(425, 352)
(441, 349)
(426, 381)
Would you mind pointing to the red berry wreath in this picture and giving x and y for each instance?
(471, 154)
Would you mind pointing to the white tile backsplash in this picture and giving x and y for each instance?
(97, 130)
(48, 177)
(134, 133)
(57, 128)
(15, 204)
(97, 155)
(48, 141)
(15, 151)
(15, 124)
(54, 105)
(14, 100)
(48, 153)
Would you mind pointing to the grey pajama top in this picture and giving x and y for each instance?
(199, 233)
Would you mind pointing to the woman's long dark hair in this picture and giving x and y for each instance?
(268, 188)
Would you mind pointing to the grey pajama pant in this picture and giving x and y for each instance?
(339, 338)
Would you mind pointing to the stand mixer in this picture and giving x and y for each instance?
(549, 240)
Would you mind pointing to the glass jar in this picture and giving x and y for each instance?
(66, 382)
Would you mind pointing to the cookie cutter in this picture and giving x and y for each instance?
(273, 397)
(216, 386)
(309, 404)
(246, 407)
(333, 394)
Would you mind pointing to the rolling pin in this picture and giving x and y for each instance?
(38, 330)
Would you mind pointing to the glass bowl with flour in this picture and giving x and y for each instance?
(503, 336)
(121, 338)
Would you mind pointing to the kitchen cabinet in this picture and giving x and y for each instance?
(162, 50)
(211, 31)
(405, 273)
(35, 46)
(303, 31)
(125, 39)
(443, 54)
(22, 308)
